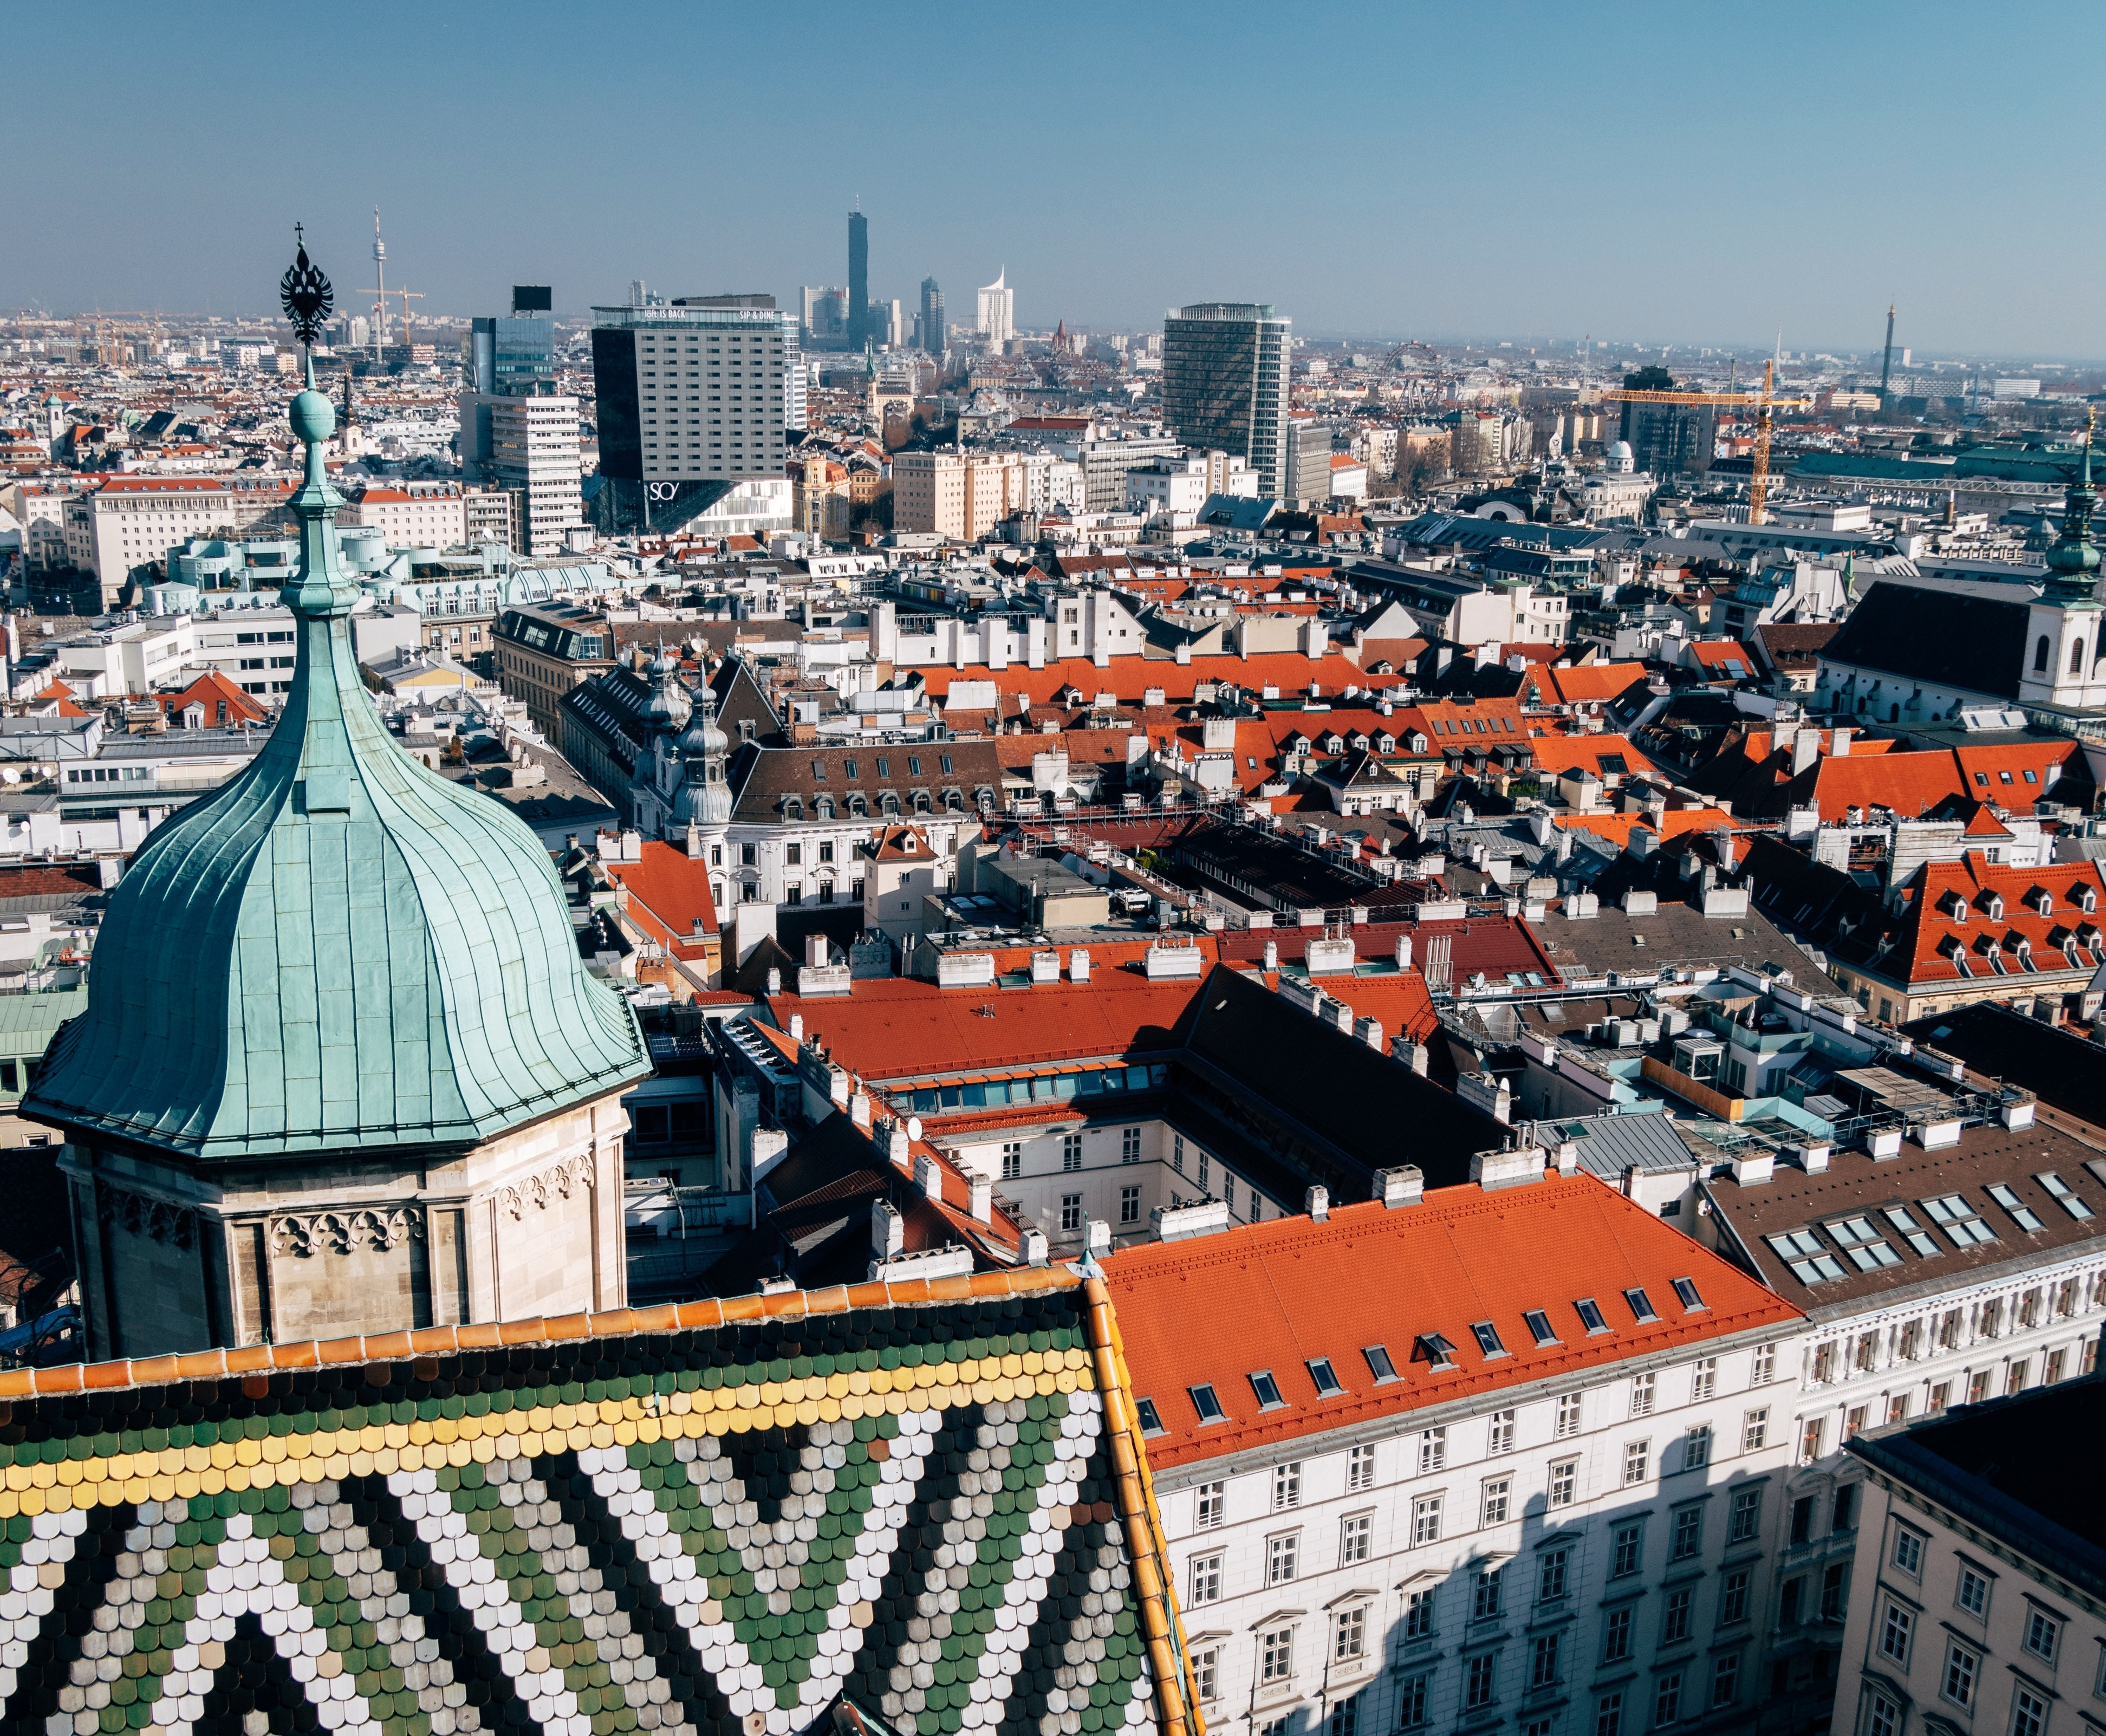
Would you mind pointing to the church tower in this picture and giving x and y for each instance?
(2065, 663)
(342, 1070)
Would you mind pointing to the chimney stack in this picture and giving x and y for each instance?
(1403, 1185)
(887, 1231)
(1317, 1203)
(981, 1197)
(1404, 951)
(928, 1173)
(796, 1027)
(898, 1146)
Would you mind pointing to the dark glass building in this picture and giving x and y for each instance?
(858, 279)
(1225, 383)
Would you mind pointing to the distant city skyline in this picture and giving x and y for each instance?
(1653, 175)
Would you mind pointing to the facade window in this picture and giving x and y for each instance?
(1638, 1459)
(1747, 1516)
(1696, 1448)
(1207, 1674)
(1286, 1486)
(2028, 1713)
(1498, 1493)
(1129, 1205)
(1908, 1552)
(1283, 1558)
(1500, 1439)
(1412, 1698)
(1346, 1718)
(1667, 1700)
(1609, 1716)
(1703, 1380)
(1688, 1533)
(1765, 1366)
(1071, 1211)
(1355, 1536)
(2043, 1634)
(1349, 1635)
(1733, 1596)
(1012, 1160)
(1675, 1622)
(1480, 1681)
(1360, 1468)
(1550, 1574)
(1071, 1152)
(1802, 1519)
(1962, 1668)
(1564, 1482)
(1213, 1506)
(1276, 1656)
(1755, 1430)
(1882, 1717)
(1616, 1635)
(1896, 1634)
(1432, 1449)
(1812, 1439)
(1972, 1594)
(1568, 1416)
(1206, 1578)
(1426, 1520)
(1642, 1387)
(1130, 1144)
(1726, 1679)
(1488, 1595)
(1542, 1662)
(1418, 1615)
(1628, 1546)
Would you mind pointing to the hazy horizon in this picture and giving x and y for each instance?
(1450, 177)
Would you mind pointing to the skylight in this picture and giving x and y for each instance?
(1488, 1339)
(1856, 1238)
(1208, 1407)
(1438, 1352)
(1685, 1292)
(1810, 1261)
(1267, 1390)
(1539, 1324)
(1590, 1314)
(1379, 1364)
(1326, 1378)
(1641, 1308)
(1151, 1422)
(1912, 1233)
(2063, 1194)
(2022, 1214)
(1951, 1213)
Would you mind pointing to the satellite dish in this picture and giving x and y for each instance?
(913, 1127)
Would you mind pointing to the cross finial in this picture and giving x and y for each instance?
(300, 233)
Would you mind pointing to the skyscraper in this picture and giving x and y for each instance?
(997, 311)
(1225, 383)
(532, 451)
(928, 332)
(860, 331)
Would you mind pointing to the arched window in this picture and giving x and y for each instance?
(888, 802)
(2076, 658)
(824, 808)
(2039, 655)
(954, 801)
(793, 808)
(922, 804)
(858, 807)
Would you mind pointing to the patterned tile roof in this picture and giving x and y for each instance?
(717, 1519)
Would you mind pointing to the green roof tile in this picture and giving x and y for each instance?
(340, 947)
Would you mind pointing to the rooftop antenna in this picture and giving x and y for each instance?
(1886, 365)
(380, 289)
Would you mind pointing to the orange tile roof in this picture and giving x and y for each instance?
(1585, 683)
(668, 895)
(1561, 753)
(1130, 677)
(1931, 934)
(1715, 654)
(1671, 824)
(209, 690)
(1298, 1290)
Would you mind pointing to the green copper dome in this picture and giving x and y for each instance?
(337, 949)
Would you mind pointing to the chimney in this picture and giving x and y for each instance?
(1493, 1170)
(859, 1109)
(1317, 1203)
(1369, 1031)
(1096, 1237)
(1404, 951)
(1078, 964)
(1568, 1157)
(898, 1146)
(1271, 956)
(887, 1231)
(774, 980)
(796, 1027)
(980, 1194)
(694, 842)
(1805, 750)
(928, 1173)
(1034, 1248)
(815, 951)
(1403, 1185)
(1839, 744)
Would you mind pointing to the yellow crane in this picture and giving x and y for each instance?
(1765, 401)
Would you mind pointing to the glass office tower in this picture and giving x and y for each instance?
(1225, 383)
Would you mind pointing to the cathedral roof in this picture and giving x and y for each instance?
(338, 949)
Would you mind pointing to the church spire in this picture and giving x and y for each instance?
(2073, 559)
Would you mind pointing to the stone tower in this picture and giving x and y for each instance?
(342, 1070)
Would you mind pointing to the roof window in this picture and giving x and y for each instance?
(1590, 1314)
(1951, 1213)
(1913, 1233)
(1326, 1378)
(1857, 1237)
(1539, 1324)
(1810, 1261)
(1379, 1364)
(2063, 1194)
(1488, 1339)
(1685, 1292)
(1207, 1405)
(1267, 1390)
(2022, 1214)
(1438, 1352)
(1641, 1308)
(1151, 1424)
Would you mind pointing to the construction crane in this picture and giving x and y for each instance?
(1764, 402)
(407, 296)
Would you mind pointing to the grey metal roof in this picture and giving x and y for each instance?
(1609, 1144)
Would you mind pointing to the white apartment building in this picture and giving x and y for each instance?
(126, 523)
(135, 658)
(257, 649)
(699, 390)
(1173, 489)
(956, 494)
(534, 455)
(413, 515)
(1492, 1457)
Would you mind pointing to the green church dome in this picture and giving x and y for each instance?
(340, 948)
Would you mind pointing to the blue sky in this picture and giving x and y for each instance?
(1669, 173)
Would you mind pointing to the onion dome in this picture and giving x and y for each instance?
(705, 797)
(2073, 559)
(340, 949)
(667, 707)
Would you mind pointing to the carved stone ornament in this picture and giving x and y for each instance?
(383, 1227)
(556, 1182)
(139, 1214)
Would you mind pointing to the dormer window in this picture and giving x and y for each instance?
(1993, 907)
(1438, 1352)
(2086, 900)
(906, 844)
(2042, 901)
(1641, 1308)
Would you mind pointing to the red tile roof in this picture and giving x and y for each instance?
(1130, 677)
(1298, 1290)
(1949, 918)
(668, 894)
(1555, 754)
(1584, 685)
(209, 690)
